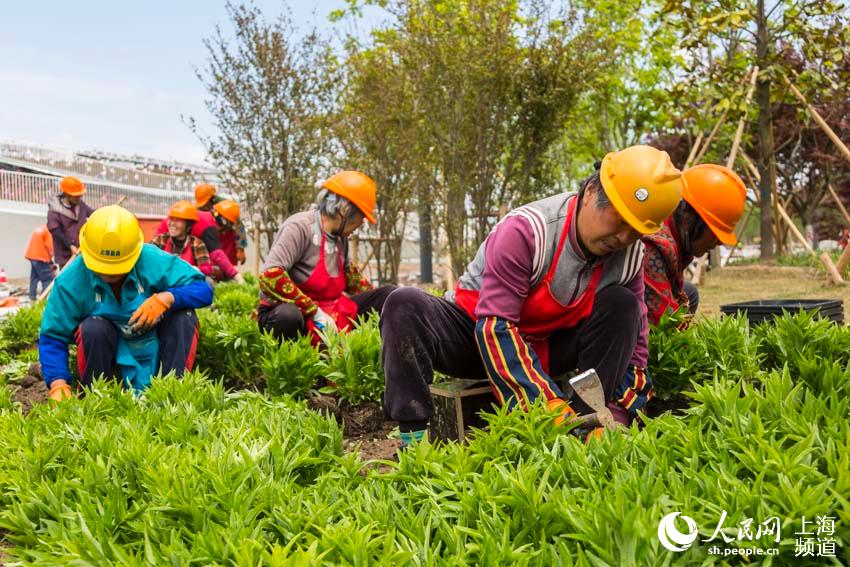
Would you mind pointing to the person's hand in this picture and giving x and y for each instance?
(323, 320)
(239, 278)
(562, 409)
(151, 311)
(74, 250)
(240, 255)
(60, 390)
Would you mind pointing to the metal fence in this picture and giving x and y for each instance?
(68, 160)
(30, 188)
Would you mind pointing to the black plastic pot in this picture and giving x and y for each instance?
(766, 309)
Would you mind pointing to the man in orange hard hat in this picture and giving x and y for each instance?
(556, 286)
(205, 200)
(226, 214)
(66, 214)
(713, 200)
(308, 283)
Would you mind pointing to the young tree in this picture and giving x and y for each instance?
(268, 99)
(725, 39)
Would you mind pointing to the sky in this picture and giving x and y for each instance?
(118, 75)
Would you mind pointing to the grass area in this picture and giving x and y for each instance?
(760, 281)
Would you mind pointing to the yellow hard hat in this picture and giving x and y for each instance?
(643, 185)
(111, 241)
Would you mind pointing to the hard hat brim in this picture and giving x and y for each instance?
(202, 203)
(624, 211)
(123, 266)
(725, 237)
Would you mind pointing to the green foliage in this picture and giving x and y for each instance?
(236, 299)
(20, 329)
(292, 369)
(353, 361)
(187, 474)
(231, 347)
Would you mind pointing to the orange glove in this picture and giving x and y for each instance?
(594, 434)
(562, 408)
(60, 390)
(240, 255)
(151, 311)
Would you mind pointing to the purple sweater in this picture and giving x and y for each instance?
(517, 255)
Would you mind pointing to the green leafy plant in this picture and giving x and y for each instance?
(231, 347)
(20, 329)
(353, 361)
(291, 369)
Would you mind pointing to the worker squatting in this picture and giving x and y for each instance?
(569, 282)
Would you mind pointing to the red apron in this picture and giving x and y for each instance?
(327, 292)
(542, 314)
(188, 254)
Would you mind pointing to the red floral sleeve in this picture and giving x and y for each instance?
(276, 284)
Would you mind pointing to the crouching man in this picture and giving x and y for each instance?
(556, 286)
(128, 305)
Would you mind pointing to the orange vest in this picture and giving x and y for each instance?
(40, 246)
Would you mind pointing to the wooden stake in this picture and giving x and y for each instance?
(839, 203)
(257, 249)
(710, 139)
(843, 260)
(740, 131)
(693, 151)
(831, 269)
(821, 122)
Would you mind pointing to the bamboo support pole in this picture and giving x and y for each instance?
(831, 269)
(256, 249)
(694, 150)
(843, 260)
(742, 122)
(710, 138)
(819, 119)
(839, 203)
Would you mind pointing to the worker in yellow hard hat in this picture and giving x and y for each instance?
(206, 199)
(66, 214)
(713, 200)
(308, 282)
(556, 286)
(126, 304)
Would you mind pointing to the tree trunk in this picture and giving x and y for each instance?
(766, 167)
(426, 247)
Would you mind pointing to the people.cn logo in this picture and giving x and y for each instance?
(672, 538)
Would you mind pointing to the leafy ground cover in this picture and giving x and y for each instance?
(195, 472)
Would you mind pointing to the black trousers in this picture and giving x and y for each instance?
(287, 322)
(97, 345)
(422, 333)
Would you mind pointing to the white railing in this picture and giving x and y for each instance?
(30, 188)
(71, 161)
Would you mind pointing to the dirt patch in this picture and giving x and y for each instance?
(375, 445)
(31, 390)
(356, 420)
(676, 405)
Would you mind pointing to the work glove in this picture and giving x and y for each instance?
(323, 320)
(239, 278)
(562, 409)
(151, 311)
(60, 390)
(240, 255)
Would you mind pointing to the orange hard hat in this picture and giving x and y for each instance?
(203, 193)
(358, 188)
(183, 210)
(72, 186)
(719, 196)
(228, 209)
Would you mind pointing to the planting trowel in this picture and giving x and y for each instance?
(588, 387)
